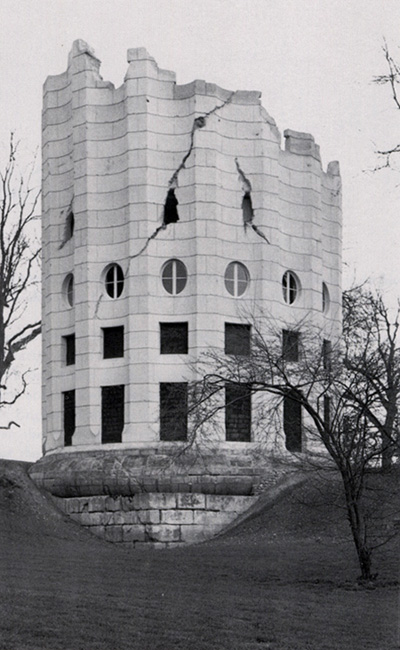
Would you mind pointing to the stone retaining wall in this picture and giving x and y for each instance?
(157, 519)
(163, 467)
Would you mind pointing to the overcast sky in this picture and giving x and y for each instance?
(313, 60)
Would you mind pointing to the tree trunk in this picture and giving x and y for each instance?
(388, 441)
(357, 526)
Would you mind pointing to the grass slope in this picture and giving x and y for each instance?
(283, 580)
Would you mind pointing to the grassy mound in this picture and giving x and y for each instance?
(283, 580)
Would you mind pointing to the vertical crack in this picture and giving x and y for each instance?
(247, 205)
(96, 309)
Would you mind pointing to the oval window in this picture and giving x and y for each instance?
(325, 298)
(68, 289)
(290, 287)
(114, 281)
(236, 279)
(174, 276)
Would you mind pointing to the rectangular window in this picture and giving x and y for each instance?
(290, 345)
(69, 349)
(69, 416)
(292, 421)
(112, 413)
(238, 412)
(113, 342)
(327, 354)
(237, 339)
(173, 410)
(173, 338)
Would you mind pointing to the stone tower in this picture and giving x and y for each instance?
(167, 211)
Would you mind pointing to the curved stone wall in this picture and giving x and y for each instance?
(157, 469)
(160, 520)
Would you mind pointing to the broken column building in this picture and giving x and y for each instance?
(169, 211)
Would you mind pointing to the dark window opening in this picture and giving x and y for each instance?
(290, 287)
(237, 339)
(238, 412)
(69, 416)
(327, 354)
(70, 226)
(247, 209)
(69, 348)
(170, 209)
(114, 281)
(113, 342)
(69, 289)
(325, 298)
(292, 421)
(290, 345)
(173, 410)
(173, 338)
(327, 411)
(112, 413)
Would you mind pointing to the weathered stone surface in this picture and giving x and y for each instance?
(97, 504)
(184, 517)
(129, 503)
(113, 533)
(228, 503)
(163, 533)
(122, 517)
(134, 533)
(149, 516)
(156, 501)
(191, 501)
(97, 473)
(203, 517)
(93, 518)
(113, 503)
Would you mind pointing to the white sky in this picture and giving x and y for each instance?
(313, 60)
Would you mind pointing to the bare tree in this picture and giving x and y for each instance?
(372, 353)
(296, 380)
(19, 257)
(392, 79)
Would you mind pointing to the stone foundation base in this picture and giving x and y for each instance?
(164, 467)
(158, 519)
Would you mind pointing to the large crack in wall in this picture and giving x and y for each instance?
(198, 123)
(247, 205)
(68, 226)
(170, 211)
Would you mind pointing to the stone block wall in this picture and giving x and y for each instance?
(127, 472)
(158, 519)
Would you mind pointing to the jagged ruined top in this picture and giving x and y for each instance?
(141, 63)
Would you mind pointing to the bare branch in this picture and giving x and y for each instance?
(19, 256)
